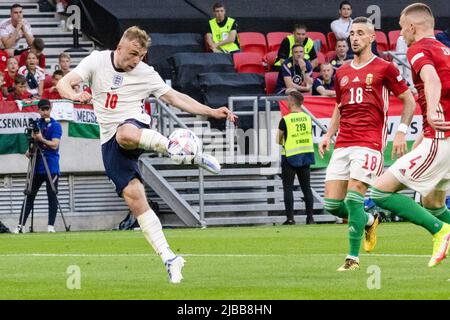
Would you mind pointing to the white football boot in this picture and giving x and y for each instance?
(174, 267)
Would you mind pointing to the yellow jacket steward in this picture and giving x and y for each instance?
(307, 48)
(222, 33)
(298, 138)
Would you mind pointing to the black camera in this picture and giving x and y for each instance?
(33, 127)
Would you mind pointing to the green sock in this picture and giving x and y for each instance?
(336, 207)
(405, 207)
(357, 220)
(442, 214)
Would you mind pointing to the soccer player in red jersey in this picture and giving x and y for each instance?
(362, 97)
(426, 169)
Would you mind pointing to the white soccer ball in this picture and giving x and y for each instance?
(184, 146)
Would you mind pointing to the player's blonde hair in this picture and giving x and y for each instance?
(417, 8)
(137, 34)
(422, 13)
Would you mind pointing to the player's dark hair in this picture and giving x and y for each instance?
(343, 3)
(362, 20)
(16, 5)
(298, 97)
(218, 5)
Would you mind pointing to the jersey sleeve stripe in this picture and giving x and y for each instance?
(417, 57)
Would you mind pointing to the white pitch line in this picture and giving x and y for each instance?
(62, 255)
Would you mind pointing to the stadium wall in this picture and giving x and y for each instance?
(172, 16)
(77, 155)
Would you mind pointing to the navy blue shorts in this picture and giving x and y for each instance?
(122, 165)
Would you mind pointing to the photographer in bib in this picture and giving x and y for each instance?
(46, 133)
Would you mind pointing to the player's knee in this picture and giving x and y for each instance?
(128, 139)
(132, 191)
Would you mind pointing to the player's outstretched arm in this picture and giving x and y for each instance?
(324, 145)
(399, 146)
(186, 103)
(65, 85)
(432, 88)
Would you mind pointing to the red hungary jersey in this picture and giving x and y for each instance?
(363, 95)
(432, 52)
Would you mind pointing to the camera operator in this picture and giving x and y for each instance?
(47, 134)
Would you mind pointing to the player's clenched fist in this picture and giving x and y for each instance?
(83, 97)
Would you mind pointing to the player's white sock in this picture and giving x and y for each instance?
(370, 220)
(152, 228)
(153, 140)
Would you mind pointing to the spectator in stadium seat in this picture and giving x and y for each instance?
(9, 75)
(295, 135)
(37, 47)
(64, 62)
(20, 90)
(52, 93)
(341, 27)
(341, 54)
(324, 84)
(34, 74)
(298, 36)
(222, 35)
(295, 73)
(444, 37)
(14, 29)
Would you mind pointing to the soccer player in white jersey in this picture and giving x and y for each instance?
(120, 83)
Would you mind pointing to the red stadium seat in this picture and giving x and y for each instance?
(321, 58)
(270, 59)
(274, 40)
(319, 36)
(253, 42)
(393, 37)
(382, 41)
(331, 41)
(48, 82)
(248, 62)
(330, 55)
(315, 75)
(271, 82)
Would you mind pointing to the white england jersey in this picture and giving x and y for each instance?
(118, 95)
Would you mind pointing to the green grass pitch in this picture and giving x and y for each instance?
(295, 262)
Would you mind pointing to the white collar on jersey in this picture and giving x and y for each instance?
(363, 65)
